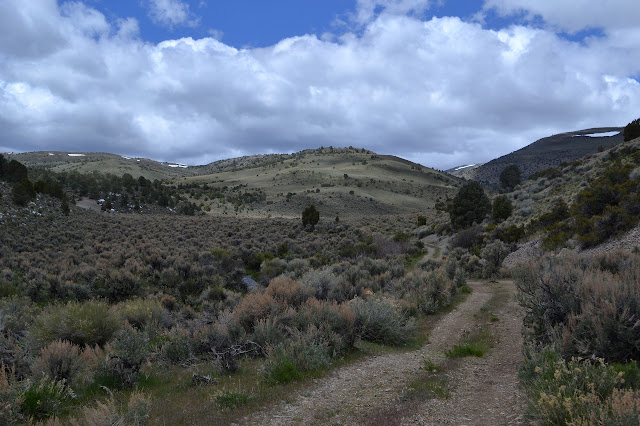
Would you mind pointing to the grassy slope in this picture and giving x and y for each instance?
(380, 184)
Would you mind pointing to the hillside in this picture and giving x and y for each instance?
(543, 154)
(338, 181)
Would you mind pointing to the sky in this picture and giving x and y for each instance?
(439, 82)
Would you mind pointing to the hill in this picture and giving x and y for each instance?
(543, 154)
(339, 181)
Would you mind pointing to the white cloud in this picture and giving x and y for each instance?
(367, 10)
(443, 92)
(171, 13)
(575, 15)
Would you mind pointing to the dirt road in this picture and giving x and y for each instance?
(483, 391)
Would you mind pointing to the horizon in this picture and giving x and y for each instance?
(434, 167)
(191, 81)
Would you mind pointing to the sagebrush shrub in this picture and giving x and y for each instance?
(321, 282)
(89, 323)
(129, 350)
(381, 322)
(576, 391)
(287, 291)
(256, 306)
(136, 413)
(583, 308)
(140, 312)
(60, 360)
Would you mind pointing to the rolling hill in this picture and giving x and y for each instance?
(339, 181)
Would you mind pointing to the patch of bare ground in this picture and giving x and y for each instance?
(374, 390)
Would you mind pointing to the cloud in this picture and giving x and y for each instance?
(367, 10)
(573, 16)
(171, 13)
(442, 92)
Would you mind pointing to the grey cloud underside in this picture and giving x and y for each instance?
(443, 92)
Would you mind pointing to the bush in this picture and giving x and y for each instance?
(129, 350)
(510, 234)
(89, 323)
(303, 352)
(494, 253)
(380, 322)
(142, 312)
(321, 282)
(136, 413)
(10, 398)
(502, 208)
(584, 307)
(178, 349)
(467, 238)
(470, 205)
(577, 391)
(59, 361)
(45, 398)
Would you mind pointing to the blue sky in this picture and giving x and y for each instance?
(439, 82)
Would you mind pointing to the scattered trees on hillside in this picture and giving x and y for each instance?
(632, 130)
(471, 205)
(510, 177)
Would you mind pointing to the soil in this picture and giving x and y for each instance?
(483, 391)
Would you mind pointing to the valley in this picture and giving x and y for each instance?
(204, 295)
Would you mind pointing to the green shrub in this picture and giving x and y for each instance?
(45, 398)
(178, 349)
(141, 312)
(381, 322)
(582, 391)
(228, 400)
(89, 323)
(467, 349)
(280, 370)
(129, 351)
(510, 234)
(494, 253)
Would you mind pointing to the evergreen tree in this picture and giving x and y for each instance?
(64, 207)
(15, 171)
(510, 177)
(471, 205)
(310, 216)
(502, 208)
(23, 192)
(632, 130)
